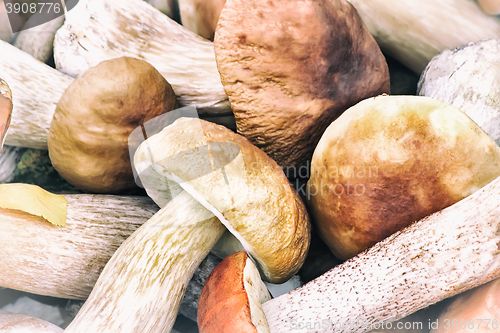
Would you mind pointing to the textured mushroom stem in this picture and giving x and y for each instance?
(97, 30)
(19, 323)
(36, 89)
(76, 254)
(438, 257)
(39, 40)
(141, 287)
(414, 31)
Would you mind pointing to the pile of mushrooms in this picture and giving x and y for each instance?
(175, 124)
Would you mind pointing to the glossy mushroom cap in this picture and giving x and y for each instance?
(391, 160)
(290, 67)
(88, 138)
(238, 183)
(232, 297)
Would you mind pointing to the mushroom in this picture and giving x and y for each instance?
(491, 7)
(440, 256)
(201, 16)
(5, 110)
(223, 179)
(291, 67)
(70, 259)
(435, 26)
(476, 311)
(19, 323)
(285, 87)
(232, 297)
(468, 78)
(88, 137)
(391, 160)
(38, 40)
(97, 30)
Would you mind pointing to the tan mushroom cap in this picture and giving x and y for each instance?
(5, 109)
(477, 311)
(291, 67)
(391, 160)
(491, 7)
(231, 298)
(88, 138)
(238, 183)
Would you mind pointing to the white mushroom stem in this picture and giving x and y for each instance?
(438, 257)
(414, 31)
(97, 30)
(141, 287)
(36, 89)
(39, 40)
(70, 259)
(19, 323)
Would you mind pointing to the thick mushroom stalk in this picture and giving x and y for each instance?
(5, 110)
(143, 283)
(97, 30)
(19, 323)
(435, 26)
(70, 259)
(440, 256)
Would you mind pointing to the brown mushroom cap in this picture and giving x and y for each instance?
(88, 138)
(391, 160)
(477, 311)
(290, 68)
(238, 183)
(232, 297)
(5, 110)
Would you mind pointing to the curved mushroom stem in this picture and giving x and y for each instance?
(438, 257)
(141, 287)
(36, 89)
(97, 30)
(19, 323)
(448, 24)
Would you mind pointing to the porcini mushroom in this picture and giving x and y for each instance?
(476, 311)
(241, 187)
(19, 323)
(291, 67)
(232, 297)
(5, 110)
(70, 259)
(435, 26)
(468, 78)
(491, 7)
(88, 137)
(440, 256)
(391, 160)
(201, 16)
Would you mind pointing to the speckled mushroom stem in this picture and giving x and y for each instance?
(97, 30)
(402, 32)
(438, 257)
(70, 259)
(19, 323)
(151, 270)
